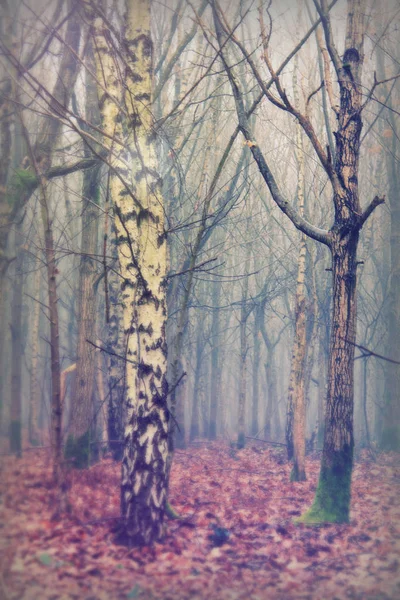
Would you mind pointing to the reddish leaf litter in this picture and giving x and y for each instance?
(237, 539)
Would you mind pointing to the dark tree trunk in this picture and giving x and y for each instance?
(78, 443)
(198, 391)
(215, 362)
(16, 350)
(256, 370)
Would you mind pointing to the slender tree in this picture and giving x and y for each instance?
(78, 442)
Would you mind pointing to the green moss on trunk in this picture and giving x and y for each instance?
(171, 512)
(22, 181)
(332, 498)
(77, 450)
(15, 437)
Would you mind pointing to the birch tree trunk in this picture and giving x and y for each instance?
(136, 194)
(116, 343)
(296, 408)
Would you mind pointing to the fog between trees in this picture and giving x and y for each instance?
(199, 236)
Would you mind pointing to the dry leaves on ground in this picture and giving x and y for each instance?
(237, 539)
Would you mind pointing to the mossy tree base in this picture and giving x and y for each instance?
(171, 513)
(77, 451)
(332, 498)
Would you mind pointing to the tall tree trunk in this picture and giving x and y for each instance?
(142, 253)
(244, 314)
(332, 499)
(296, 406)
(322, 389)
(16, 349)
(258, 315)
(215, 360)
(390, 439)
(34, 433)
(116, 343)
(390, 435)
(198, 391)
(78, 442)
(116, 376)
(56, 407)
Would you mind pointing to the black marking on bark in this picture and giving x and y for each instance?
(129, 216)
(144, 40)
(146, 297)
(142, 215)
(351, 56)
(144, 369)
(122, 239)
(127, 284)
(149, 330)
(142, 97)
(136, 121)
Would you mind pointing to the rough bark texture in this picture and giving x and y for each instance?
(116, 370)
(56, 408)
(78, 442)
(141, 243)
(332, 499)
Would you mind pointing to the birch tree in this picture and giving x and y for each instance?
(139, 219)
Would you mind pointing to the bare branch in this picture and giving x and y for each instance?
(298, 221)
(368, 352)
(323, 12)
(370, 209)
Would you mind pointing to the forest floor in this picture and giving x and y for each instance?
(246, 493)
